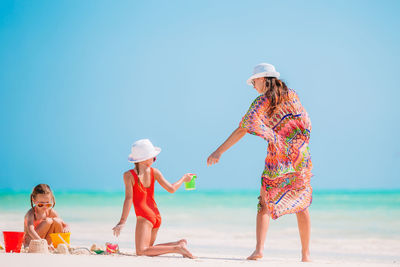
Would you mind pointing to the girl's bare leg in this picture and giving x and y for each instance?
(143, 239)
(304, 224)
(45, 228)
(55, 227)
(154, 232)
(42, 229)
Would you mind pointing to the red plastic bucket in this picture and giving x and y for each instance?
(13, 241)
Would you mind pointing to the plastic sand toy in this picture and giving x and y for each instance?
(112, 248)
(60, 238)
(13, 241)
(192, 184)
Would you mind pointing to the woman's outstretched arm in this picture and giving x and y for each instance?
(236, 135)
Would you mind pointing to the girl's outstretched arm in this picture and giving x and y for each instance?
(128, 180)
(171, 188)
(236, 135)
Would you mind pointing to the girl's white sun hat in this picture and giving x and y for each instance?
(263, 70)
(143, 150)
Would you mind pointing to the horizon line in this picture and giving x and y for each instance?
(214, 190)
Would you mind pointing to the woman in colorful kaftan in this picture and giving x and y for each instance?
(278, 117)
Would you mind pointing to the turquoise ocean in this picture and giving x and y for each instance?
(355, 225)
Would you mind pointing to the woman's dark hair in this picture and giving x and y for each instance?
(42, 189)
(276, 91)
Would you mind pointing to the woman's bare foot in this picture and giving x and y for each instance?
(305, 257)
(184, 251)
(255, 256)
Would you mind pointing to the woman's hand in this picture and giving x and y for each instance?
(213, 158)
(118, 228)
(236, 135)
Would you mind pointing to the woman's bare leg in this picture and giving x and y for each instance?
(261, 231)
(304, 224)
(143, 239)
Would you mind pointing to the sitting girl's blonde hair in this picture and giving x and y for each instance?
(42, 189)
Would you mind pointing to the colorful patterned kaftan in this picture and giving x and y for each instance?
(287, 172)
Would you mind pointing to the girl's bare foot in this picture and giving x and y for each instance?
(182, 241)
(255, 256)
(185, 252)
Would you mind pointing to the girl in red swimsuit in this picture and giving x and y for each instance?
(139, 190)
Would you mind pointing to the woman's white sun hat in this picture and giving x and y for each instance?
(263, 70)
(143, 150)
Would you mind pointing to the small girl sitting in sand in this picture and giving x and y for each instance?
(139, 190)
(42, 220)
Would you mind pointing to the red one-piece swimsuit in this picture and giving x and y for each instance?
(143, 200)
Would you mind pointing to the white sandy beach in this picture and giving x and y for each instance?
(168, 261)
(225, 249)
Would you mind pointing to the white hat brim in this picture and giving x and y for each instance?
(263, 74)
(157, 151)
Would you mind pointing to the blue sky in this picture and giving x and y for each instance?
(80, 81)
